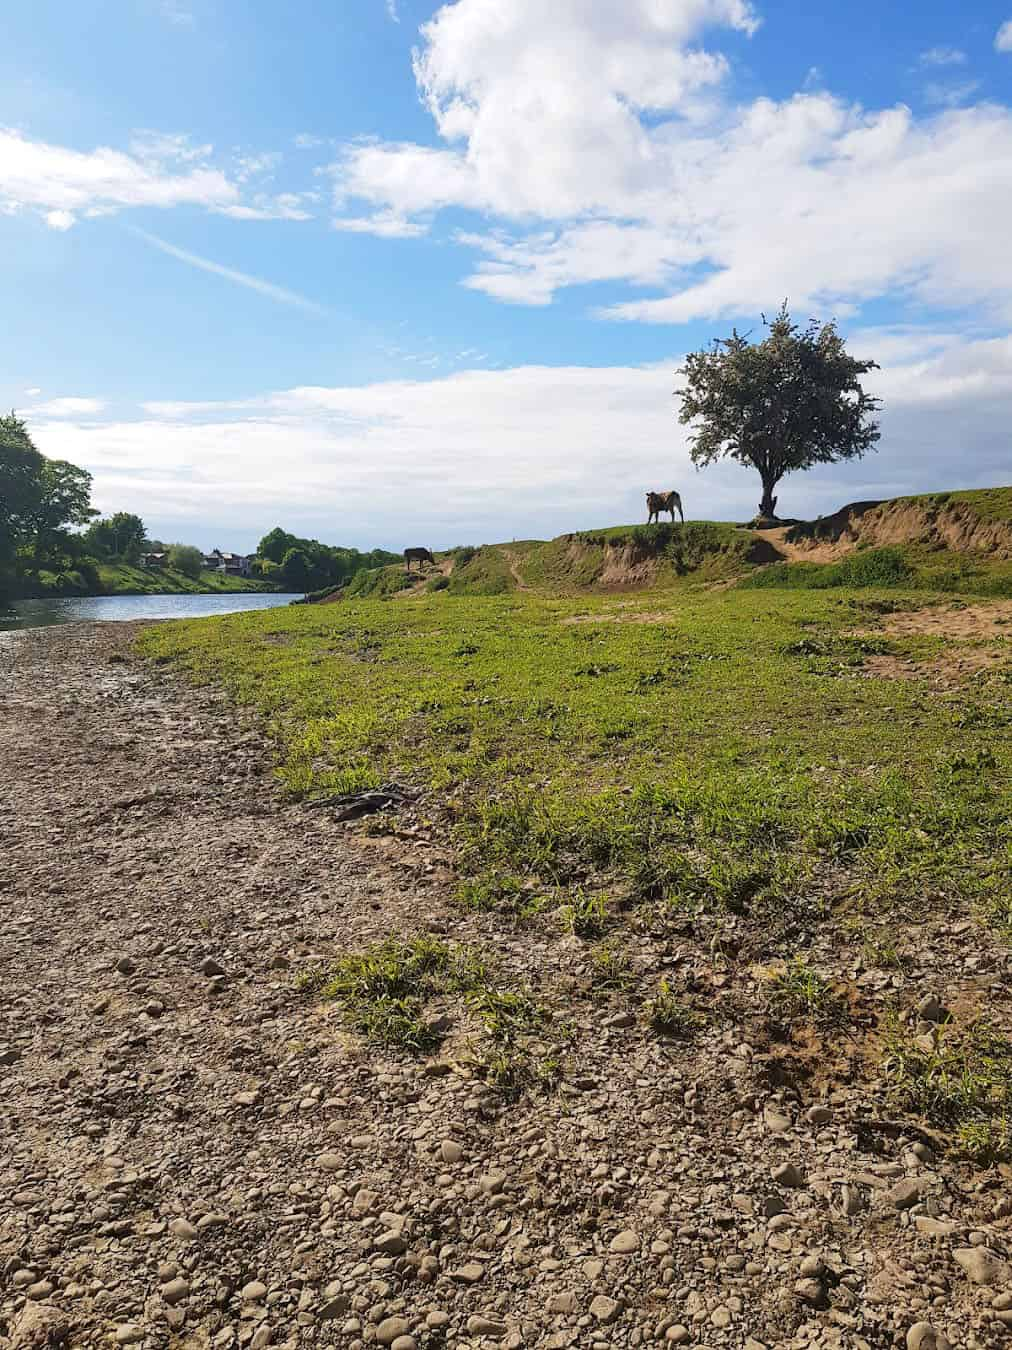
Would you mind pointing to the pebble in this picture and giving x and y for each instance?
(254, 1292)
(923, 1336)
(391, 1328)
(906, 1194)
(450, 1152)
(331, 1162)
(181, 1228)
(468, 1274)
(788, 1174)
(125, 966)
(485, 1326)
(604, 1309)
(625, 1242)
(982, 1266)
(404, 1343)
(174, 1291)
(210, 967)
(129, 1334)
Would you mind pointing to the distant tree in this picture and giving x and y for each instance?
(296, 570)
(119, 536)
(790, 401)
(20, 482)
(186, 559)
(65, 500)
(276, 544)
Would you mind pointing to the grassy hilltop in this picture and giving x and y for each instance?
(774, 763)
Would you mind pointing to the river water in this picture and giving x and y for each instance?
(68, 609)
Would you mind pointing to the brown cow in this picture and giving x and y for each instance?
(663, 501)
(419, 555)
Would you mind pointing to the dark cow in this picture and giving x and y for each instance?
(418, 555)
(663, 501)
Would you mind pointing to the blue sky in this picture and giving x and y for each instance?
(387, 268)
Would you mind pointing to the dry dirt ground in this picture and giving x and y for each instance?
(194, 1154)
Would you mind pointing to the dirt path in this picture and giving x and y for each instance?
(194, 1154)
(817, 553)
(515, 573)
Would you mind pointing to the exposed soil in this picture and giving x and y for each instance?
(194, 1153)
(958, 620)
(952, 525)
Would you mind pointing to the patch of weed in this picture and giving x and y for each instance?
(796, 989)
(669, 1016)
(959, 1079)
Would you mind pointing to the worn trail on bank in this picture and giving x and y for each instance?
(193, 1153)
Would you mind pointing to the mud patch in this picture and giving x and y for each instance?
(639, 616)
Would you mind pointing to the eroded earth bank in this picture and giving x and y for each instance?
(196, 1153)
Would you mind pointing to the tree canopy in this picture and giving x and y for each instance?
(793, 400)
(117, 536)
(306, 564)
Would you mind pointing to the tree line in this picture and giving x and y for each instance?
(53, 541)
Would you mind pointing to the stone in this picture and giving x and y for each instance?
(923, 1336)
(208, 1221)
(788, 1174)
(450, 1152)
(210, 967)
(775, 1120)
(813, 1266)
(819, 1115)
(404, 1343)
(810, 1291)
(604, 1309)
(677, 1334)
(930, 1009)
(625, 1242)
(851, 1201)
(562, 1303)
(906, 1194)
(174, 1291)
(334, 1307)
(125, 966)
(391, 1243)
(468, 1274)
(254, 1292)
(40, 1325)
(436, 1319)
(485, 1326)
(129, 1334)
(330, 1162)
(180, 1228)
(982, 1266)
(937, 1228)
(391, 1328)
(40, 1290)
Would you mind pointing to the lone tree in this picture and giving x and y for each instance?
(785, 403)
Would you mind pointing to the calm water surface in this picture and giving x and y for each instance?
(67, 609)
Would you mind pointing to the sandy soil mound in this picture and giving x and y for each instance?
(951, 525)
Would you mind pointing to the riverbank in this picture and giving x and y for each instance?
(199, 1150)
(126, 579)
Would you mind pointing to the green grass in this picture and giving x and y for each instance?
(956, 1078)
(797, 990)
(730, 754)
(125, 579)
(669, 1016)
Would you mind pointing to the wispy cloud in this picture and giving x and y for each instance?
(392, 11)
(69, 407)
(1003, 37)
(943, 56)
(177, 13)
(950, 95)
(280, 294)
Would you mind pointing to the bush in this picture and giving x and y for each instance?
(438, 584)
(186, 559)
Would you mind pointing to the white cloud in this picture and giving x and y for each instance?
(598, 140)
(61, 182)
(943, 56)
(392, 13)
(279, 293)
(68, 407)
(1003, 37)
(383, 224)
(33, 392)
(535, 450)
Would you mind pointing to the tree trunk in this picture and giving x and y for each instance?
(768, 505)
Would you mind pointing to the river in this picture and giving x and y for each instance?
(71, 609)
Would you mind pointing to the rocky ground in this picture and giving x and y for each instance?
(194, 1153)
